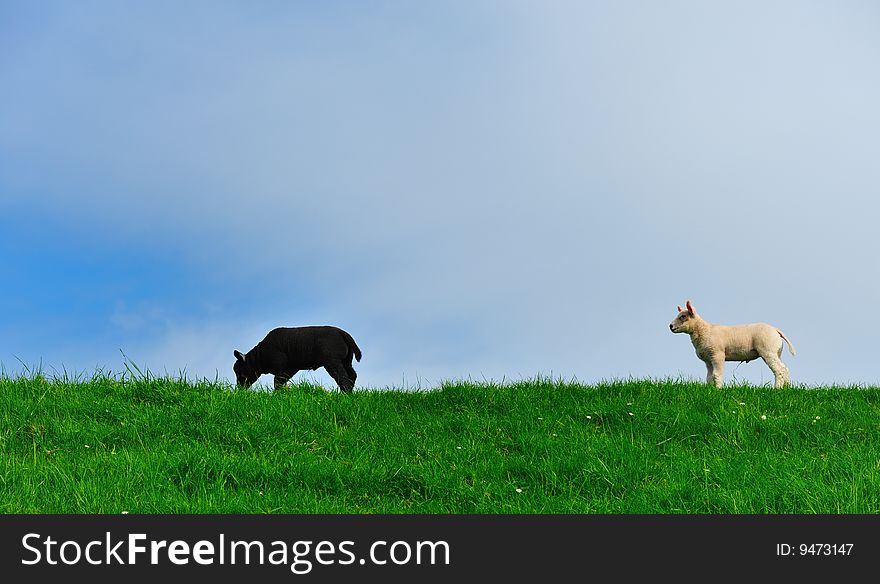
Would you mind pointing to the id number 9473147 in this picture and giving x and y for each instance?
(814, 549)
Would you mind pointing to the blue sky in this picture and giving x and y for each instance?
(472, 189)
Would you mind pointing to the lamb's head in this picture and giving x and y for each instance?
(245, 375)
(686, 319)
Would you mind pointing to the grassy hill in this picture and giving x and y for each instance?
(170, 446)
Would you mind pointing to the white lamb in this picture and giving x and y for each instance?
(717, 343)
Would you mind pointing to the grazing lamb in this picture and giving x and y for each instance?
(285, 351)
(717, 343)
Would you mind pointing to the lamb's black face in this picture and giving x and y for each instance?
(245, 376)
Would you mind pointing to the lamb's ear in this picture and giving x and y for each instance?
(679, 308)
(238, 355)
(691, 308)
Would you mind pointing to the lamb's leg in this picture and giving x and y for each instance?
(780, 371)
(718, 371)
(352, 374)
(710, 378)
(340, 376)
(281, 379)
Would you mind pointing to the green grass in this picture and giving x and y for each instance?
(170, 446)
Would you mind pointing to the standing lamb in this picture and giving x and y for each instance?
(285, 351)
(717, 343)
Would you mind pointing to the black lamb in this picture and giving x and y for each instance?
(286, 350)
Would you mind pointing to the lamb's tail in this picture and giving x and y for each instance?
(785, 338)
(352, 345)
